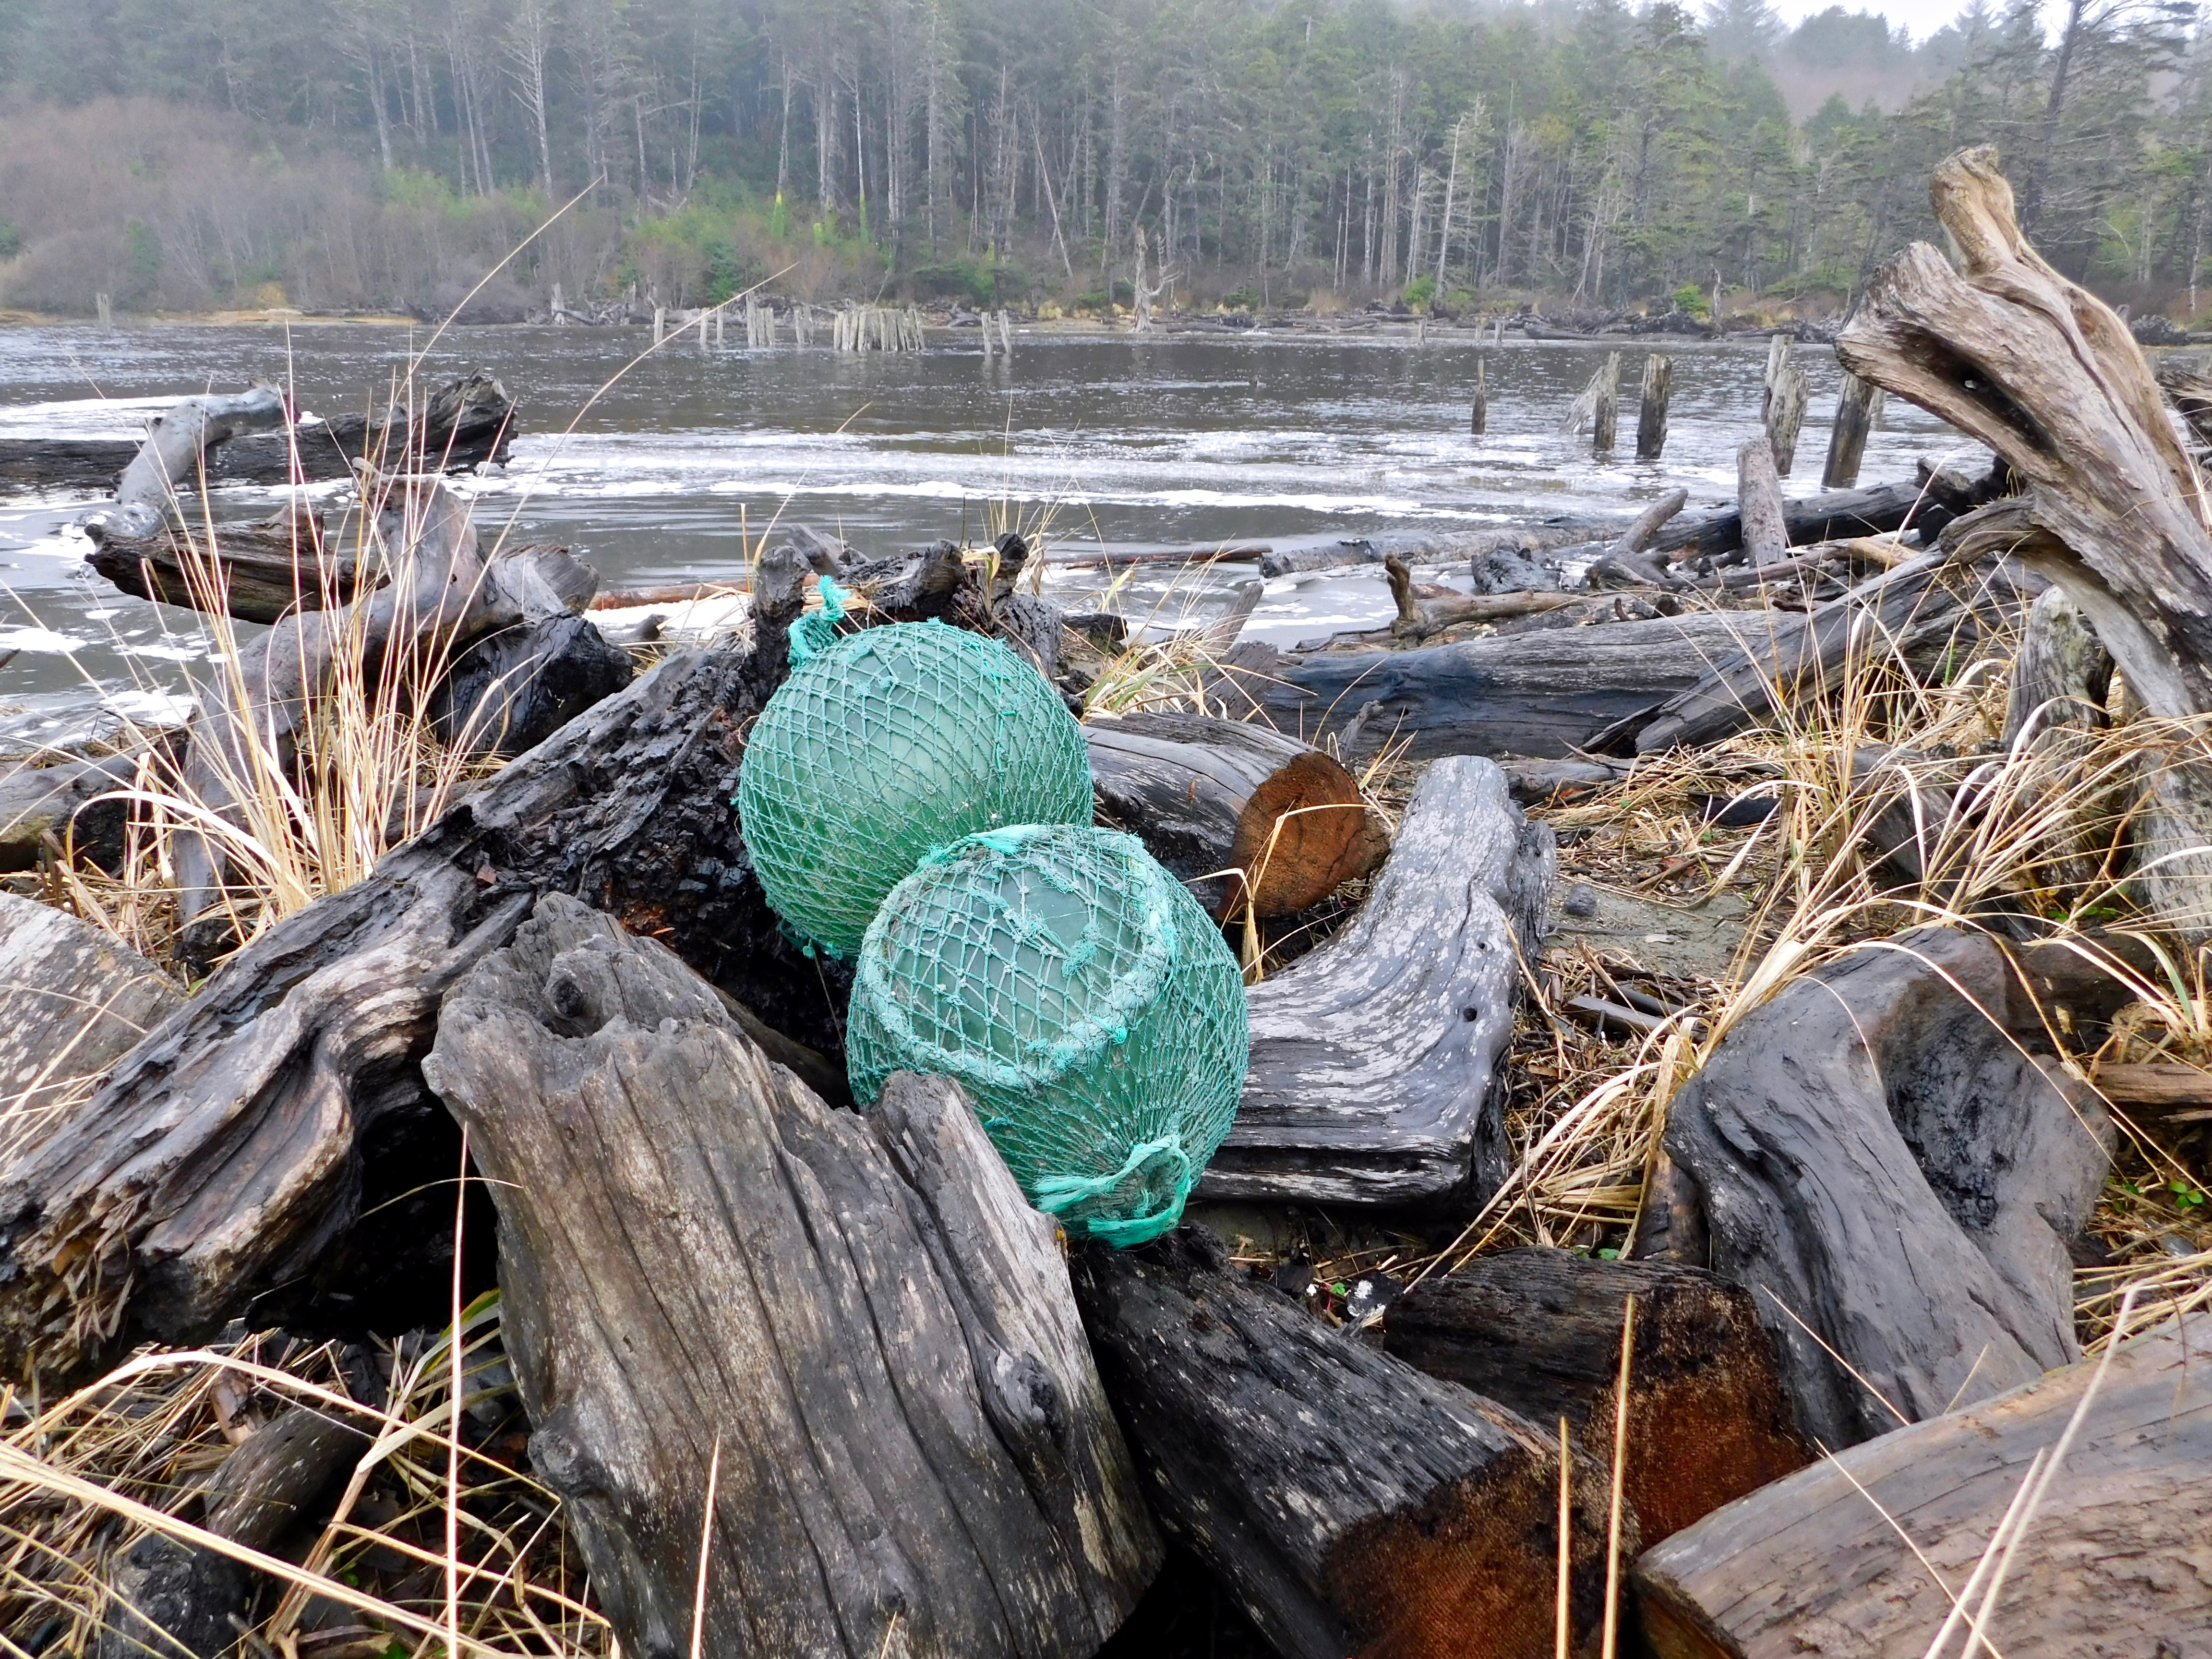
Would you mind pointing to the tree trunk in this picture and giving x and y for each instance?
(1372, 1076)
(1207, 796)
(1539, 1331)
(1878, 1159)
(1843, 1557)
(854, 1326)
(264, 1146)
(1348, 1502)
(1658, 391)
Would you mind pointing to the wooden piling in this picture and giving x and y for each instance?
(1758, 502)
(1651, 406)
(1856, 411)
(659, 323)
(1782, 409)
(107, 311)
(1478, 421)
(1607, 423)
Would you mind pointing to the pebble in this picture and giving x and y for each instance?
(1581, 900)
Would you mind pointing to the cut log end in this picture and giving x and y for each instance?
(1305, 833)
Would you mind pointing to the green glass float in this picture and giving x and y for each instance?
(886, 742)
(1083, 998)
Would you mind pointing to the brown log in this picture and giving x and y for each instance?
(1858, 407)
(1539, 1331)
(259, 572)
(2014, 354)
(265, 1147)
(1371, 1079)
(1896, 1181)
(1844, 1558)
(857, 1321)
(1349, 1504)
(1208, 795)
(2170, 1089)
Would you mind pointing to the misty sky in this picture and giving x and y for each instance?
(1922, 17)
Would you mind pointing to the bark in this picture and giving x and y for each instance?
(1842, 1558)
(1208, 796)
(1892, 1176)
(1372, 1077)
(263, 1148)
(857, 1323)
(1658, 391)
(1539, 1331)
(2015, 356)
(1348, 1502)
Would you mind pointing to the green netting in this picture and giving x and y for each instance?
(889, 742)
(1085, 1002)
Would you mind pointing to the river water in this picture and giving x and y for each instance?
(655, 470)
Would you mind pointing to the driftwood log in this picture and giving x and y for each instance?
(1208, 796)
(1882, 1165)
(463, 423)
(1538, 1331)
(1540, 693)
(47, 810)
(1758, 502)
(1348, 1502)
(173, 454)
(857, 1323)
(1372, 1076)
(2014, 354)
(1625, 563)
(1840, 1559)
(233, 1159)
(73, 1001)
(1920, 609)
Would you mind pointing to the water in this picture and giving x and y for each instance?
(1122, 442)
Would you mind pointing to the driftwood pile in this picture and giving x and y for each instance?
(903, 1417)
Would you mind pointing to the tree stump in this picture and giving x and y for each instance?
(856, 1323)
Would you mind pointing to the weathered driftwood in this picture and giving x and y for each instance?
(513, 689)
(2014, 354)
(1896, 1181)
(1545, 693)
(1834, 516)
(439, 589)
(1478, 420)
(464, 422)
(1208, 796)
(294, 560)
(1349, 1504)
(1658, 391)
(1925, 602)
(230, 1161)
(1423, 612)
(171, 455)
(1625, 563)
(1539, 1331)
(1295, 558)
(1372, 1076)
(73, 1001)
(1842, 1558)
(857, 1323)
(1783, 410)
(1758, 503)
(1859, 409)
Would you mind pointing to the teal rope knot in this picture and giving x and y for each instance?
(816, 631)
(1146, 1164)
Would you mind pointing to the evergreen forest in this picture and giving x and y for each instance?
(190, 154)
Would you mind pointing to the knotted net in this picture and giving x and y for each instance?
(1078, 993)
(884, 743)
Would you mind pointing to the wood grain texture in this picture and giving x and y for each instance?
(1208, 795)
(1351, 1504)
(1890, 1176)
(268, 1147)
(1372, 1076)
(916, 1455)
(1538, 1331)
(2117, 1565)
